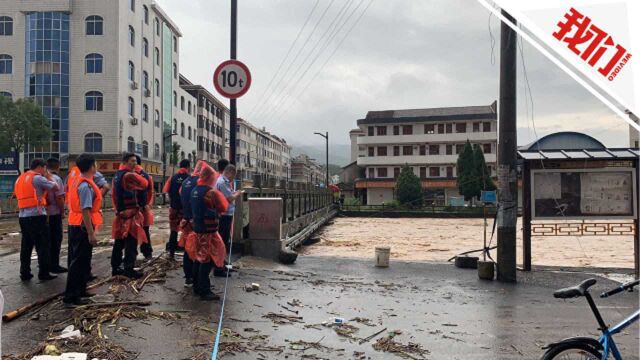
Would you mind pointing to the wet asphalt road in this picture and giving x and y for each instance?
(446, 310)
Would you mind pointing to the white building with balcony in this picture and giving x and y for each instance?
(428, 140)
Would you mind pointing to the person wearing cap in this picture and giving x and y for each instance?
(31, 191)
(208, 250)
(85, 216)
(55, 214)
(172, 187)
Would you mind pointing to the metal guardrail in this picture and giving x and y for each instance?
(425, 209)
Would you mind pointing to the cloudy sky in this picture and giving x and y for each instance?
(401, 54)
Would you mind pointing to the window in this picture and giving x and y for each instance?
(145, 80)
(396, 172)
(93, 64)
(182, 129)
(407, 130)
(371, 152)
(156, 119)
(175, 126)
(461, 127)
(434, 171)
(486, 148)
(6, 64)
(131, 71)
(93, 101)
(189, 133)
(94, 25)
(429, 129)
(382, 151)
(145, 47)
(449, 128)
(93, 143)
(175, 99)
(371, 173)
(145, 113)
(175, 44)
(6, 26)
(382, 172)
(476, 127)
(145, 149)
(131, 144)
(396, 151)
(156, 151)
(370, 131)
(486, 126)
(182, 103)
(440, 128)
(423, 150)
(189, 107)
(407, 150)
(132, 36)
(449, 171)
(423, 172)
(381, 130)
(396, 130)
(157, 87)
(157, 23)
(459, 148)
(181, 155)
(132, 104)
(132, 5)
(434, 149)
(175, 71)
(449, 149)
(145, 10)
(6, 94)
(156, 52)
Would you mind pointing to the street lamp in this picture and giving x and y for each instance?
(164, 162)
(326, 138)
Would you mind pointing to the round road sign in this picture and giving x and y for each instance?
(232, 79)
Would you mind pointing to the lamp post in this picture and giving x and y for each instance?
(164, 162)
(326, 138)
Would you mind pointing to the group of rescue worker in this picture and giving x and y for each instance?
(201, 206)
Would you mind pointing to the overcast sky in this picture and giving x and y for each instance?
(402, 54)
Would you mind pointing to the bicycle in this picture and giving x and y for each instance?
(585, 348)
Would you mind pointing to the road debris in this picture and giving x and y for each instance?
(283, 319)
(410, 351)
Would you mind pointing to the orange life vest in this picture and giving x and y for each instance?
(26, 192)
(75, 209)
(73, 174)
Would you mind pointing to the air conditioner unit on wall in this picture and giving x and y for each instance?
(147, 93)
(134, 85)
(134, 121)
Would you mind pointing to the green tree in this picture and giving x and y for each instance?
(486, 182)
(22, 123)
(409, 188)
(175, 150)
(469, 180)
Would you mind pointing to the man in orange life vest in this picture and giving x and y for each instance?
(30, 190)
(85, 216)
(186, 227)
(145, 200)
(172, 187)
(127, 229)
(208, 251)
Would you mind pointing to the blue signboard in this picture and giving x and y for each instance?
(456, 201)
(488, 197)
(8, 164)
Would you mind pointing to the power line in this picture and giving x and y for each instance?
(279, 97)
(293, 44)
(261, 105)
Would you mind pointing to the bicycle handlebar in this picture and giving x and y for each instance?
(624, 287)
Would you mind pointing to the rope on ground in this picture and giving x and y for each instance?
(214, 354)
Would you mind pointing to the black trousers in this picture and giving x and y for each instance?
(55, 240)
(224, 229)
(172, 245)
(34, 233)
(187, 266)
(146, 248)
(79, 264)
(201, 282)
(130, 248)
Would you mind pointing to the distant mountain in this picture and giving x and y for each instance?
(338, 154)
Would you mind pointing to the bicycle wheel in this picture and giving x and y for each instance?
(572, 351)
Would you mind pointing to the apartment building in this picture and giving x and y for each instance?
(306, 170)
(212, 115)
(105, 74)
(184, 125)
(261, 153)
(634, 135)
(428, 140)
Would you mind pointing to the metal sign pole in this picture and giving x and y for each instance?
(233, 111)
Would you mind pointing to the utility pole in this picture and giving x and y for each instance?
(326, 138)
(233, 110)
(507, 147)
